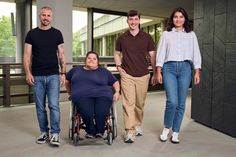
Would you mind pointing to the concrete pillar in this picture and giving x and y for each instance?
(104, 46)
(62, 20)
(23, 25)
(82, 48)
(90, 30)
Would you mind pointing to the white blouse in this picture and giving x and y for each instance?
(178, 46)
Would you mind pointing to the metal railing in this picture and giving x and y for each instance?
(14, 87)
(13, 84)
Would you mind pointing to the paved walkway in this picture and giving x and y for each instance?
(18, 129)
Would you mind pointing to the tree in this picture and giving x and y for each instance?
(7, 40)
(76, 47)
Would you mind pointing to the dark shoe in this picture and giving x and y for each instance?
(42, 138)
(55, 140)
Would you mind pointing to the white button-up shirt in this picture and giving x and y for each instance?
(178, 46)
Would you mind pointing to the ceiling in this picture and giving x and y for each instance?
(156, 8)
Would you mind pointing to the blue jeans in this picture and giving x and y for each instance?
(94, 108)
(176, 78)
(47, 86)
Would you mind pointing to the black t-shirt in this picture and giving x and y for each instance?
(44, 50)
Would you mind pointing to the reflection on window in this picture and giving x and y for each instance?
(7, 35)
(79, 45)
(106, 29)
(34, 16)
(154, 30)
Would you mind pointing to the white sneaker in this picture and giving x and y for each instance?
(138, 131)
(129, 137)
(175, 138)
(164, 134)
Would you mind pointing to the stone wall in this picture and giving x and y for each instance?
(213, 101)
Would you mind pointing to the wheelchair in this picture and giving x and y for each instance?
(76, 124)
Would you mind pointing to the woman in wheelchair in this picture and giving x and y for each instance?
(93, 90)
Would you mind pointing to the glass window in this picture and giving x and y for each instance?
(7, 35)
(106, 27)
(158, 31)
(79, 45)
(34, 16)
(145, 29)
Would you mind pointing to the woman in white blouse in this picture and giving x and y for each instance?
(177, 53)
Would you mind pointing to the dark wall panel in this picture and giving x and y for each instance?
(230, 89)
(208, 22)
(231, 25)
(219, 55)
(195, 109)
(214, 100)
(198, 9)
(221, 7)
(230, 65)
(218, 101)
(229, 119)
(231, 5)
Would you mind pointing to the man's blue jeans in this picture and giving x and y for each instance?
(176, 78)
(47, 86)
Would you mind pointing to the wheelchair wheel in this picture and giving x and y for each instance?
(113, 123)
(72, 129)
(110, 138)
(70, 134)
(76, 139)
(114, 129)
(71, 122)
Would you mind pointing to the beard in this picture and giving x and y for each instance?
(45, 22)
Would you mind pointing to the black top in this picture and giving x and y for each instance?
(44, 50)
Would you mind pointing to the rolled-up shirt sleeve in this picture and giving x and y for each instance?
(161, 51)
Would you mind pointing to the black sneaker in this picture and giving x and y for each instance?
(55, 140)
(42, 138)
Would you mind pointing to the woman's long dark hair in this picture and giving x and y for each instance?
(170, 23)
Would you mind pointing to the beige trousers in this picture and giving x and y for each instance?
(133, 91)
